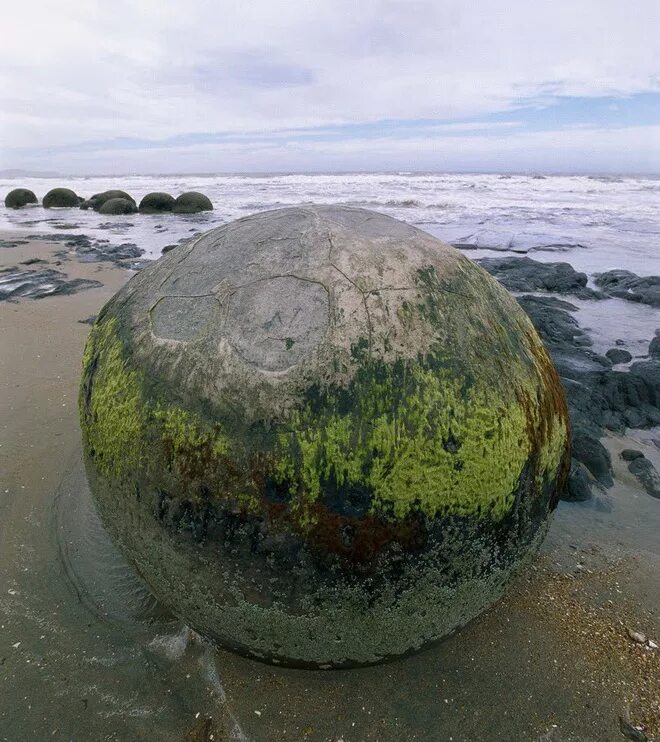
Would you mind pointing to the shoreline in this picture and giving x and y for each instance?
(554, 660)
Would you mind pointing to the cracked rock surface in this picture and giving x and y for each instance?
(321, 435)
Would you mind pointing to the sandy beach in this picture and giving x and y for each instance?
(569, 654)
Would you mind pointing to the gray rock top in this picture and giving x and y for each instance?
(293, 289)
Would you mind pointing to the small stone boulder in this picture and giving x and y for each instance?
(525, 274)
(593, 454)
(61, 198)
(192, 202)
(98, 199)
(157, 203)
(118, 206)
(646, 474)
(626, 285)
(20, 197)
(580, 483)
(618, 355)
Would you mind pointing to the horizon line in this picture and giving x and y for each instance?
(20, 172)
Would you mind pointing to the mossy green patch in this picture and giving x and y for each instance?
(448, 432)
(413, 435)
(552, 453)
(185, 432)
(112, 411)
(125, 431)
(419, 434)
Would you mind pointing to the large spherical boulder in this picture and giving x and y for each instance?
(322, 436)
(192, 202)
(60, 198)
(20, 197)
(157, 203)
(118, 206)
(98, 199)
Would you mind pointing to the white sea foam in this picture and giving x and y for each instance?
(594, 223)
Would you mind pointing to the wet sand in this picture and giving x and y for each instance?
(85, 654)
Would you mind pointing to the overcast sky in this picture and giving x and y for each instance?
(258, 85)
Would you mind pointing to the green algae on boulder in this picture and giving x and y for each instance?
(60, 198)
(192, 202)
(322, 436)
(157, 203)
(20, 197)
(118, 206)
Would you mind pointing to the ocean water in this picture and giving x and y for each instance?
(595, 223)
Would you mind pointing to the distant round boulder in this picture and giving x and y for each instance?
(20, 197)
(192, 202)
(89, 203)
(61, 197)
(98, 199)
(157, 203)
(322, 436)
(118, 206)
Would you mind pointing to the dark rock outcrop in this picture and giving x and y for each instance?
(629, 286)
(192, 202)
(646, 473)
(599, 398)
(593, 454)
(89, 250)
(157, 203)
(525, 274)
(20, 197)
(61, 197)
(580, 483)
(18, 283)
(618, 355)
(118, 206)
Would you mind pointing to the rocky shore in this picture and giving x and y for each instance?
(604, 392)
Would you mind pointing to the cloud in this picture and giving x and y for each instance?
(81, 72)
(584, 149)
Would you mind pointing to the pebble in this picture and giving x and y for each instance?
(637, 636)
(632, 732)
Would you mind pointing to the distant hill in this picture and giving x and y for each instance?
(17, 173)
